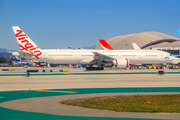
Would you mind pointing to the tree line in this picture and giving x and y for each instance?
(5, 60)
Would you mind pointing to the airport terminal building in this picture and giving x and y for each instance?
(146, 40)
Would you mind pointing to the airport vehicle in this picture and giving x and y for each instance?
(118, 58)
(106, 46)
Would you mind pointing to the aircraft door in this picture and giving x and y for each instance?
(141, 55)
(45, 56)
(77, 56)
(140, 58)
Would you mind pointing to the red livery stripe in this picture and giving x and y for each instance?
(105, 44)
(127, 65)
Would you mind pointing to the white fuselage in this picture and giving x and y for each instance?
(58, 56)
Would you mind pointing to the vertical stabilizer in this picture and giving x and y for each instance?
(16, 58)
(25, 43)
(105, 45)
(178, 31)
(135, 46)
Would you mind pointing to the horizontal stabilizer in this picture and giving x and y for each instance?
(23, 52)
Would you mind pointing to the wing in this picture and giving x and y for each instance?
(101, 58)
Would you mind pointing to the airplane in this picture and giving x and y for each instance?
(106, 46)
(119, 58)
(17, 60)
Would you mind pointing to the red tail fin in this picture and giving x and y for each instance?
(105, 45)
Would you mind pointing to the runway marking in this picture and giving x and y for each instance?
(1, 97)
(56, 91)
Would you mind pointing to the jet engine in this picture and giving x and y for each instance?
(121, 63)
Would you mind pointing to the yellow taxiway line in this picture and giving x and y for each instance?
(56, 91)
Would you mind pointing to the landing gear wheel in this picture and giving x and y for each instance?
(93, 68)
(102, 68)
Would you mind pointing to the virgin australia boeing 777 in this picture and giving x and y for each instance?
(119, 58)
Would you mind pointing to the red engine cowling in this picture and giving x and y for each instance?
(122, 63)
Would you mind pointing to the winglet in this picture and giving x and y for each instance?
(135, 46)
(105, 45)
(178, 31)
(25, 43)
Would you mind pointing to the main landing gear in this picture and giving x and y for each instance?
(94, 68)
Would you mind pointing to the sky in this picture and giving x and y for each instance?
(55, 24)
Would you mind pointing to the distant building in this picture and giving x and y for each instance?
(147, 41)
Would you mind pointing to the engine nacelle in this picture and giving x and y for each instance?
(122, 63)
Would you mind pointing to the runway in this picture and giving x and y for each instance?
(70, 86)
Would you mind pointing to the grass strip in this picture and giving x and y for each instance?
(135, 103)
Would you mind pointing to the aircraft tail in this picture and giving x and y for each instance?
(25, 43)
(16, 58)
(178, 31)
(135, 46)
(105, 45)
